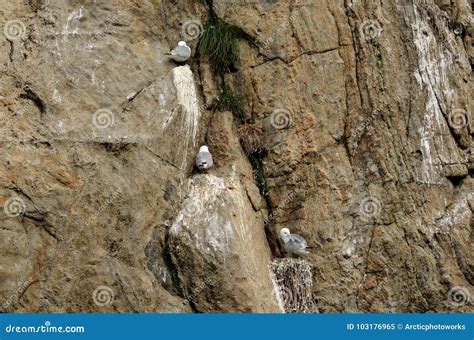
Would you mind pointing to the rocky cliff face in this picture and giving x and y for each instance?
(364, 109)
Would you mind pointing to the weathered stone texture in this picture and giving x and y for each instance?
(374, 148)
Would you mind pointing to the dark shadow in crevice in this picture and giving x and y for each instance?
(456, 180)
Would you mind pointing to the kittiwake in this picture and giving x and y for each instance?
(204, 158)
(294, 244)
(180, 53)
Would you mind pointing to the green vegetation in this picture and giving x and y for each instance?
(229, 101)
(259, 175)
(219, 43)
(380, 66)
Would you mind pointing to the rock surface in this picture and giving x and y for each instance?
(367, 113)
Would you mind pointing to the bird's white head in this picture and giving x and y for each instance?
(204, 148)
(182, 43)
(284, 232)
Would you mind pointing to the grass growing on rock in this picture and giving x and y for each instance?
(229, 101)
(219, 43)
(256, 160)
(380, 66)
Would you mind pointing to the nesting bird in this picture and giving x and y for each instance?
(204, 158)
(294, 244)
(180, 53)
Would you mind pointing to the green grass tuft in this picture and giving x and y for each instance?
(229, 101)
(259, 176)
(219, 43)
(380, 66)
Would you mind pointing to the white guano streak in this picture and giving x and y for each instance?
(186, 97)
(433, 62)
(210, 230)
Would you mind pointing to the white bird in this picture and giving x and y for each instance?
(294, 244)
(180, 53)
(204, 158)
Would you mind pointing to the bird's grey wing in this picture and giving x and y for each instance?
(297, 241)
(182, 51)
(204, 157)
(199, 159)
